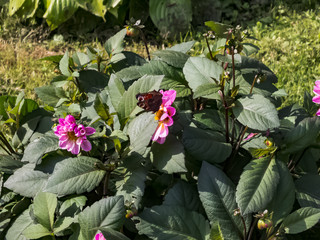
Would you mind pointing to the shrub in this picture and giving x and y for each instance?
(223, 163)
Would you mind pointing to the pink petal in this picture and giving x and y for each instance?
(90, 131)
(156, 134)
(86, 146)
(63, 137)
(316, 90)
(163, 131)
(318, 112)
(171, 111)
(317, 83)
(316, 99)
(99, 236)
(168, 121)
(63, 144)
(70, 119)
(251, 135)
(76, 149)
(61, 121)
(161, 140)
(168, 97)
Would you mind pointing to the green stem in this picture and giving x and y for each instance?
(209, 48)
(106, 183)
(244, 226)
(233, 68)
(254, 81)
(226, 113)
(145, 43)
(6, 143)
(251, 228)
(5, 149)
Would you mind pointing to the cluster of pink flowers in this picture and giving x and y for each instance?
(316, 99)
(99, 236)
(164, 116)
(73, 136)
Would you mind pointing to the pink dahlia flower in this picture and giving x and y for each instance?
(164, 116)
(316, 91)
(72, 136)
(99, 236)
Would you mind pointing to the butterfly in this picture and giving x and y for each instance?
(150, 101)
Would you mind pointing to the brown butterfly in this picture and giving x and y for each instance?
(150, 101)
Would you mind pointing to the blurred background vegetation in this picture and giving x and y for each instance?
(288, 34)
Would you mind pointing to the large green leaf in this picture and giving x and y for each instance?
(208, 90)
(26, 181)
(96, 7)
(301, 220)
(171, 16)
(219, 29)
(15, 5)
(8, 164)
(140, 131)
(182, 47)
(19, 225)
(36, 231)
(111, 234)
(40, 146)
(199, 71)
(59, 11)
(92, 81)
(282, 201)
(72, 206)
(246, 72)
(217, 194)
(256, 112)
(300, 137)
(106, 213)
(184, 194)
(257, 186)
(28, 8)
(172, 222)
(44, 207)
(115, 89)
(128, 103)
(114, 44)
(307, 194)
(173, 58)
(169, 157)
(205, 145)
(75, 175)
(51, 95)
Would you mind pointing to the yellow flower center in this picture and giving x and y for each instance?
(72, 136)
(158, 114)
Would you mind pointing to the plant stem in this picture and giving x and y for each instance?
(209, 48)
(233, 68)
(254, 81)
(244, 226)
(106, 183)
(226, 113)
(299, 159)
(233, 131)
(5, 149)
(251, 228)
(6, 143)
(145, 43)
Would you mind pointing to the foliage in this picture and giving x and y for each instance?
(210, 179)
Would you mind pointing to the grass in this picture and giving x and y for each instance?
(290, 46)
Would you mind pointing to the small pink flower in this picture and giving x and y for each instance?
(316, 99)
(251, 135)
(99, 236)
(164, 116)
(72, 136)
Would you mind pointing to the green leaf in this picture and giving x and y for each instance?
(172, 222)
(115, 89)
(249, 49)
(300, 137)
(15, 6)
(128, 104)
(59, 11)
(111, 234)
(308, 104)
(256, 112)
(114, 44)
(307, 194)
(246, 72)
(55, 59)
(96, 7)
(36, 231)
(24, 133)
(40, 146)
(23, 221)
(106, 213)
(51, 95)
(8, 164)
(219, 29)
(171, 17)
(257, 185)
(169, 157)
(62, 224)
(182, 47)
(301, 220)
(72, 206)
(75, 175)
(173, 58)
(64, 65)
(44, 207)
(183, 194)
(140, 131)
(284, 197)
(208, 90)
(217, 193)
(28, 9)
(199, 71)
(26, 181)
(205, 145)
(92, 81)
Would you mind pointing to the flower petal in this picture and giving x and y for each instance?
(99, 236)
(156, 134)
(318, 112)
(316, 99)
(161, 140)
(69, 119)
(90, 131)
(76, 149)
(171, 111)
(168, 97)
(86, 145)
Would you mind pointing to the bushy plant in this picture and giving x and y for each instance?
(177, 147)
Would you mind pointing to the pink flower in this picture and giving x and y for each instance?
(73, 136)
(316, 91)
(99, 236)
(164, 116)
(251, 135)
